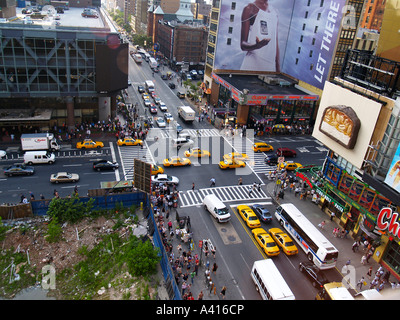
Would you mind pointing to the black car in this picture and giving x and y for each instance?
(317, 278)
(271, 159)
(141, 89)
(19, 170)
(164, 77)
(262, 212)
(171, 85)
(105, 165)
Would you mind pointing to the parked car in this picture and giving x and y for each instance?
(162, 106)
(161, 122)
(64, 177)
(262, 212)
(286, 152)
(271, 159)
(317, 278)
(153, 109)
(180, 95)
(171, 85)
(103, 165)
(164, 178)
(19, 169)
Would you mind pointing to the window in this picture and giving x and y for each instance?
(313, 41)
(301, 38)
(304, 26)
(316, 29)
(311, 54)
(233, 6)
(306, 15)
(230, 29)
(232, 18)
(299, 50)
(228, 41)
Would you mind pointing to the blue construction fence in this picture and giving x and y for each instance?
(40, 207)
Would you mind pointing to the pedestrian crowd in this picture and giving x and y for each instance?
(177, 239)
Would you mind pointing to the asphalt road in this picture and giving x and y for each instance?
(235, 245)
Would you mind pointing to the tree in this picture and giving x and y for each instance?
(69, 209)
(143, 258)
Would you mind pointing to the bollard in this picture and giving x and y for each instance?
(141, 206)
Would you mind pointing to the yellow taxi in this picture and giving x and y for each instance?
(236, 156)
(156, 170)
(248, 216)
(89, 144)
(284, 241)
(145, 95)
(129, 142)
(290, 166)
(262, 147)
(197, 153)
(176, 162)
(231, 164)
(266, 242)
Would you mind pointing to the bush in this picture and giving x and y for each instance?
(69, 209)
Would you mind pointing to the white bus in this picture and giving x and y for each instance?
(149, 86)
(269, 281)
(317, 248)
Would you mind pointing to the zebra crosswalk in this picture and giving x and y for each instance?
(168, 133)
(191, 198)
(128, 154)
(256, 160)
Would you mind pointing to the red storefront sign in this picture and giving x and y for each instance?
(387, 219)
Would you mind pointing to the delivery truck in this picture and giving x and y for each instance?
(186, 113)
(153, 63)
(39, 141)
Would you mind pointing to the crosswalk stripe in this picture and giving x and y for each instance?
(226, 194)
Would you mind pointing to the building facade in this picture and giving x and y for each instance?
(74, 72)
(310, 47)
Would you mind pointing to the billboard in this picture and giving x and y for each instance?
(345, 122)
(279, 36)
(392, 178)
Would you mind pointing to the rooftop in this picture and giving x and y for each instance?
(283, 84)
(69, 19)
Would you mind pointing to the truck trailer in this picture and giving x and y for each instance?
(186, 113)
(39, 141)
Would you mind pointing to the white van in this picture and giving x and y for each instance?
(269, 281)
(182, 142)
(34, 157)
(217, 208)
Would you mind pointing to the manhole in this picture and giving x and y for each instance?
(223, 229)
(232, 238)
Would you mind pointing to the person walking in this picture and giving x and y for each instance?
(214, 268)
(240, 181)
(360, 283)
(212, 180)
(223, 292)
(369, 273)
(193, 186)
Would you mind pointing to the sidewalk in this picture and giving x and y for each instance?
(343, 245)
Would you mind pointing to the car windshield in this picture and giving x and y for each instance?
(222, 211)
(252, 218)
(271, 244)
(289, 244)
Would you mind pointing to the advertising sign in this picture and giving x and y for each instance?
(279, 36)
(393, 176)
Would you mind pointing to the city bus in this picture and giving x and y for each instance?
(316, 246)
(269, 281)
(334, 291)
